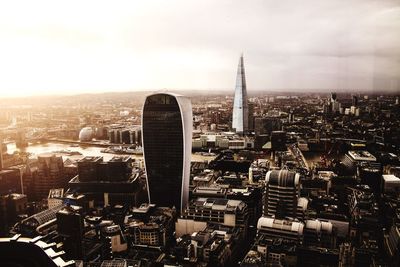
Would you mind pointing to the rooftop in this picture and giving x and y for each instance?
(361, 155)
(56, 193)
(391, 178)
(219, 204)
(91, 159)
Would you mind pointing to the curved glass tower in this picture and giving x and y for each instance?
(240, 117)
(167, 148)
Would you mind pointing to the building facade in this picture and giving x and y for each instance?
(282, 195)
(240, 118)
(167, 146)
(50, 175)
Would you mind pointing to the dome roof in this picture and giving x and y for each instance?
(86, 134)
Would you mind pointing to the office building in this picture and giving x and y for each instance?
(70, 227)
(240, 117)
(125, 135)
(107, 182)
(167, 147)
(278, 140)
(355, 158)
(213, 246)
(318, 233)
(282, 195)
(151, 226)
(50, 175)
(11, 206)
(204, 211)
(266, 125)
(117, 238)
(390, 183)
(55, 197)
(88, 168)
(10, 181)
(38, 224)
(275, 228)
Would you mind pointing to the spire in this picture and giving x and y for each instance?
(240, 120)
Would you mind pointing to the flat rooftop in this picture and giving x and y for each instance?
(91, 159)
(219, 203)
(390, 178)
(3, 172)
(56, 193)
(361, 155)
(120, 159)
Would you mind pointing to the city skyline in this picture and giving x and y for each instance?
(49, 49)
(314, 182)
(131, 136)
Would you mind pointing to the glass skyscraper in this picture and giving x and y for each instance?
(167, 146)
(240, 118)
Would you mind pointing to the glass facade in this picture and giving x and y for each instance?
(240, 117)
(164, 150)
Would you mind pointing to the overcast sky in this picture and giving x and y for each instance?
(49, 47)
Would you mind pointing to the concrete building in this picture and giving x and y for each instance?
(282, 195)
(275, 228)
(107, 183)
(50, 175)
(38, 224)
(203, 211)
(70, 227)
(151, 226)
(354, 158)
(11, 206)
(390, 183)
(55, 197)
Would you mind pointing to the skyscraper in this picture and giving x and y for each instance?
(167, 146)
(240, 118)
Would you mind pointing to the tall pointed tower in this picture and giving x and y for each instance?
(240, 118)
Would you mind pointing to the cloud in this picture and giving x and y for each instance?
(89, 46)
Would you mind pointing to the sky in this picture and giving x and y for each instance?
(71, 47)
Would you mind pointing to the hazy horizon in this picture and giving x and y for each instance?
(213, 91)
(200, 92)
(76, 47)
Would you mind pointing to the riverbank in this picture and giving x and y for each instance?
(81, 151)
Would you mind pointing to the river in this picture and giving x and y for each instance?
(37, 149)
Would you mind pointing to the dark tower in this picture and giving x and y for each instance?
(354, 100)
(70, 227)
(167, 145)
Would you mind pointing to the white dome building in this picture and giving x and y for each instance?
(86, 134)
